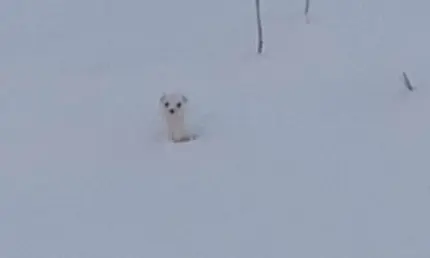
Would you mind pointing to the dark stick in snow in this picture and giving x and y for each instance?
(307, 10)
(407, 82)
(259, 28)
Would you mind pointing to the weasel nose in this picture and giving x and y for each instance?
(172, 111)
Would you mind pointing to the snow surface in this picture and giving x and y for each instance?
(314, 149)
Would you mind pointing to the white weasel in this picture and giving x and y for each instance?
(173, 107)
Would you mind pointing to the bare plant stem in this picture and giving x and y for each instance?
(307, 4)
(407, 82)
(259, 28)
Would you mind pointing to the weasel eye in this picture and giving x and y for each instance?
(179, 105)
(166, 104)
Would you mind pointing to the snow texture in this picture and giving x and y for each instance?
(313, 149)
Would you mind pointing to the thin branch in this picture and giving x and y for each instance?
(259, 28)
(407, 82)
(307, 4)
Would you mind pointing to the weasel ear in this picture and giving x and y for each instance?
(163, 98)
(184, 99)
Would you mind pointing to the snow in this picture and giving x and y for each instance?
(313, 149)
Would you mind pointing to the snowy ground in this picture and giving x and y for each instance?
(314, 149)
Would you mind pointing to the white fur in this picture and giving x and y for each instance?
(173, 107)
